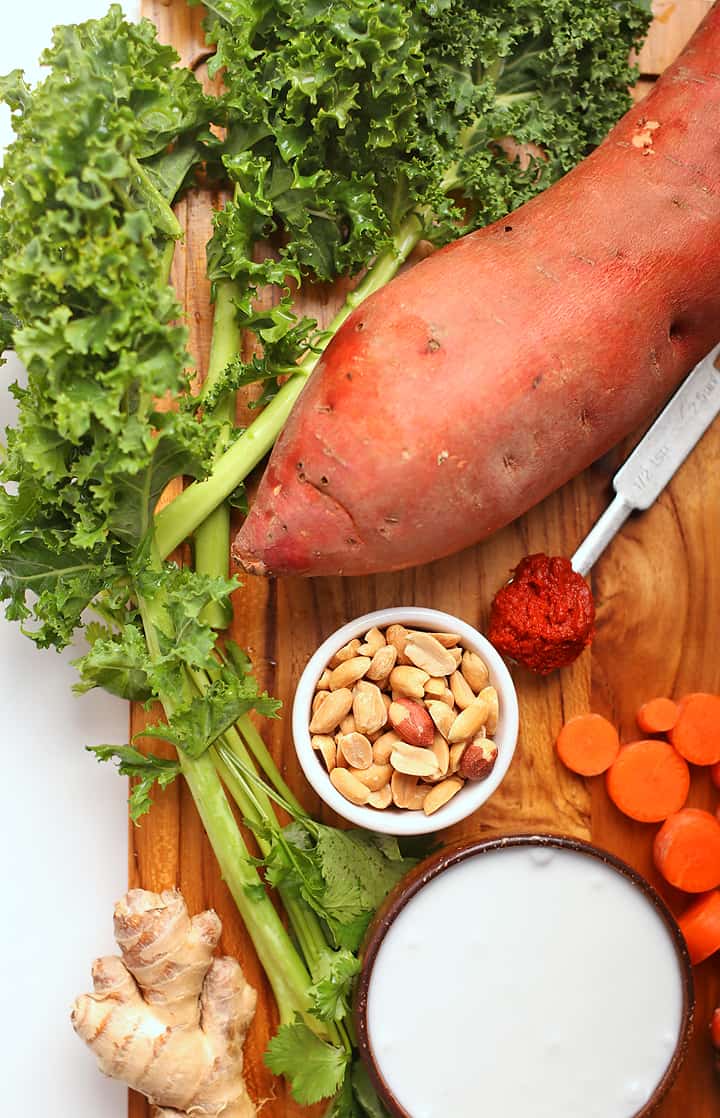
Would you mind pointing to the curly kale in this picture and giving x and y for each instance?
(345, 117)
(86, 236)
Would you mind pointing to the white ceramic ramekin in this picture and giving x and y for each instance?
(393, 820)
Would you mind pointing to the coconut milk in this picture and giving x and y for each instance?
(525, 982)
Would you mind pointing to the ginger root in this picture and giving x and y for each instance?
(168, 1018)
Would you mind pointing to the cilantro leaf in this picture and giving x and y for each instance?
(315, 1068)
(344, 1105)
(331, 991)
(343, 875)
(365, 1093)
(357, 873)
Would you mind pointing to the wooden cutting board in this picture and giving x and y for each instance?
(658, 591)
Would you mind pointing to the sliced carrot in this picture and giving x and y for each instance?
(648, 780)
(588, 744)
(700, 924)
(696, 734)
(687, 850)
(657, 716)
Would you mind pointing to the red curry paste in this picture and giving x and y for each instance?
(545, 616)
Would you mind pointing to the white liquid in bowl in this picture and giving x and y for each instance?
(525, 982)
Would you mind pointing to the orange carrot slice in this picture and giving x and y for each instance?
(588, 744)
(648, 780)
(696, 734)
(657, 716)
(700, 924)
(687, 850)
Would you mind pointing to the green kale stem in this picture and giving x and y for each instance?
(186, 513)
(212, 538)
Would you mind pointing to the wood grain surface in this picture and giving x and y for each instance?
(658, 593)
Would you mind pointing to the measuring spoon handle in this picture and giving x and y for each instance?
(600, 535)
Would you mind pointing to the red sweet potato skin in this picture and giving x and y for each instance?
(488, 375)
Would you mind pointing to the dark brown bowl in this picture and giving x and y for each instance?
(451, 856)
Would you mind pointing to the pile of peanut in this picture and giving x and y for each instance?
(404, 717)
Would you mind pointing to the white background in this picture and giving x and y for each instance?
(63, 830)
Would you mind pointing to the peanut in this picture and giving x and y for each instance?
(380, 799)
(374, 641)
(382, 663)
(475, 670)
(347, 652)
(412, 761)
(456, 753)
(435, 687)
(456, 654)
(369, 710)
(427, 653)
(478, 760)
(417, 797)
(442, 753)
(329, 755)
(350, 787)
(407, 792)
(462, 691)
(447, 640)
(323, 684)
(325, 746)
(469, 722)
(438, 796)
(442, 715)
(332, 709)
(384, 746)
(349, 672)
(490, 695)
(347, 726)
(374, 778)
(409, 681)
(356, 749)
(318, 699)
(412, 722)
(397, 635)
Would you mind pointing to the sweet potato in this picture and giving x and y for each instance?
(486, 376)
